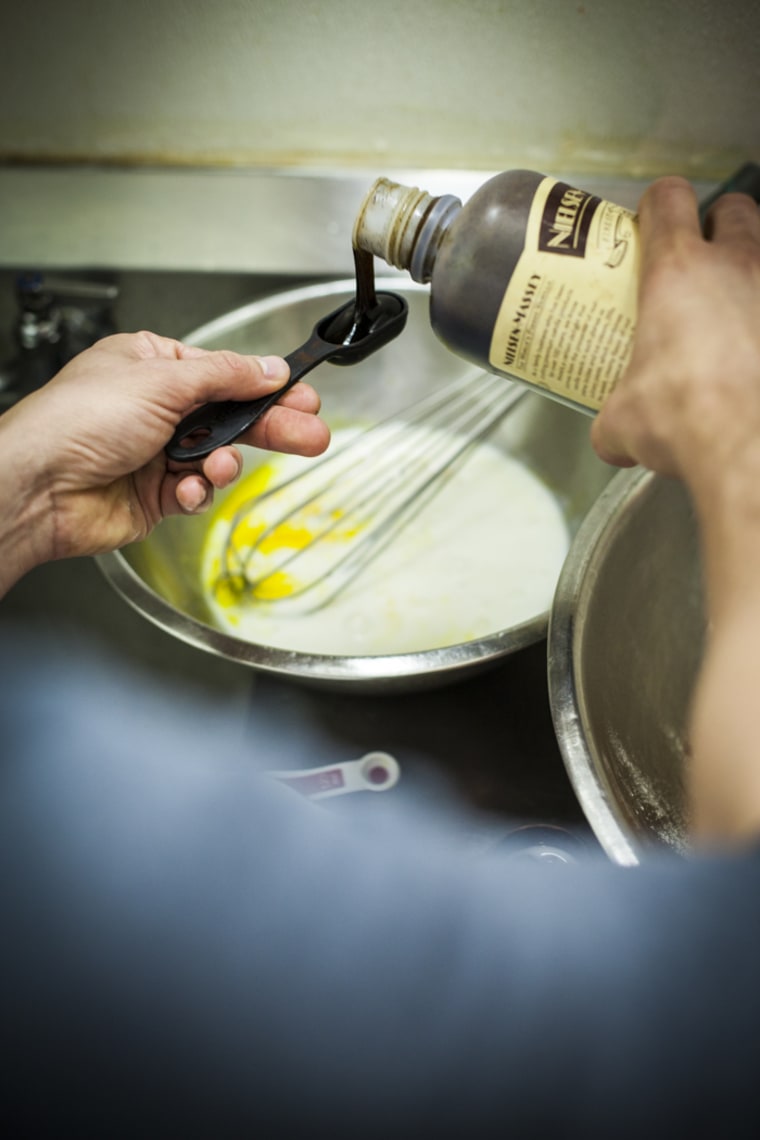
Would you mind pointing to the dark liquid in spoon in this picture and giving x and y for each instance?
(367, 313)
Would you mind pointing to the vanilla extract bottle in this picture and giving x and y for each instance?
(531, 278)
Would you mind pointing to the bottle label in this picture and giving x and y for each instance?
(569, 312)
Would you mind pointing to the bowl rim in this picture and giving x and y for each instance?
(572, 597)
(272, 302)
(431, 666)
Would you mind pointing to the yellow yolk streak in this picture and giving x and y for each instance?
(482, 556)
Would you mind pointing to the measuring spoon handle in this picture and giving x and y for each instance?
(221, 422)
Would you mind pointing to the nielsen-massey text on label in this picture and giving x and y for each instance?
(567, 318)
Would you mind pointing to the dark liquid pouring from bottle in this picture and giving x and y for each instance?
(368, 312)
(346, 336)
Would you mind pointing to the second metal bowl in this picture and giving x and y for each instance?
(625, 644)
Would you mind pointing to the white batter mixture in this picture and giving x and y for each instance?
(483, 555)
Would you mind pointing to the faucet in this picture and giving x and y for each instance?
(49, 330)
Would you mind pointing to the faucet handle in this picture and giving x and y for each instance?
(41, 316)
(58, 317)
(67, 287)
(38, 321)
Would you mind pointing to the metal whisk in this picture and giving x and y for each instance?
(298, 544)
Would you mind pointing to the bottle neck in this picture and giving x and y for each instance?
(404, 226)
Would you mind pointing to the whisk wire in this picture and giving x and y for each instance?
(382, 440)
(364, 492)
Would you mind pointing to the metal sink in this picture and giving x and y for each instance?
(489, 740)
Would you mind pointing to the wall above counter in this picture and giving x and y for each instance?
(241, 137)
(660, 86)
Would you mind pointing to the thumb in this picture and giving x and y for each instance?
(226, 375)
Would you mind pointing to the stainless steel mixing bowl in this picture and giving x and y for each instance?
(160, 577)
(625, 643)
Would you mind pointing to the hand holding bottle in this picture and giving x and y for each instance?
(689, 402)
(688, 405)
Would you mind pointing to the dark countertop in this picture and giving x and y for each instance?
(488, 740)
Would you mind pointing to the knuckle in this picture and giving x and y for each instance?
(240, 372)
(664, 190)
(734, 207)
(230, 363)
(144, 342)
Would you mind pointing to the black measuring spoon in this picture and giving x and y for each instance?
(345, 336)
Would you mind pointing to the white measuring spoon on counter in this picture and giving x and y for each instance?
(374, 772)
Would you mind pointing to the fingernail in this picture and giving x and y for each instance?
(234, 474)
(195, 498)
(273, 367)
